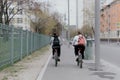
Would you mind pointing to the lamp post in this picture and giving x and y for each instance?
(97, 34)
(68, 20)
(76, 15)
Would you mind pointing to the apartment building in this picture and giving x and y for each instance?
(21, 18)
(110, 20)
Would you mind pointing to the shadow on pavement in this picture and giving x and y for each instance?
(108, 75)
(101, 73)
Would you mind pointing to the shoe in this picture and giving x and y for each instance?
(77, 59)
(58, 59)
(82, 57)
(53, 57)
(82, 61)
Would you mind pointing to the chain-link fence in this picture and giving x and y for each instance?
(16, 43)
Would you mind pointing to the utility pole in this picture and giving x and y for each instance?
(68, 20)
(76, 15)
(97, 34)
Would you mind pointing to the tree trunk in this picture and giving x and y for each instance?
(6, 15)
(1, 10)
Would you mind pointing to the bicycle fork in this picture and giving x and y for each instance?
(79, 60)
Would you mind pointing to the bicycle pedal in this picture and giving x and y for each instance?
(58, 59)
(53, 57)
(77, 59)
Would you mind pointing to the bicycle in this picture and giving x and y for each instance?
(56, 56)
(79, 61)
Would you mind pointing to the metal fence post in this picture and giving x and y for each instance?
(27, 41)
(21, 45)
(12, 45)
(31, 41)
(39, 41)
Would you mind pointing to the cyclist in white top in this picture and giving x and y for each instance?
(76, 45)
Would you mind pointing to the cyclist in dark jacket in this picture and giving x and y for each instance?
(58, 46)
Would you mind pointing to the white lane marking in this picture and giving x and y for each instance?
(44, 69)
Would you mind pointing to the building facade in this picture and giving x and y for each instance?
(20, 19)
(110, 20)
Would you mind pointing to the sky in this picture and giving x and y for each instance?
(61, 6)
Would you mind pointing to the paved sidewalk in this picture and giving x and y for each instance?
(88, 72)
(106, 71)
(68, 70)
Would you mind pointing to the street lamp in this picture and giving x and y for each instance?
(97, 34)
(76, 15)
(68, 20)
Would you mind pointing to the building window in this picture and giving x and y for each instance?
(19, 20)
(12, 20)
(19, 11)
(11, 11)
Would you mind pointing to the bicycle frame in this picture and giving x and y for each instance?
(56, 57)
(79, 62)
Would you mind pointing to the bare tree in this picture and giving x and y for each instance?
(42, 21)
(10, 8)
(87, 30)
(1, 10)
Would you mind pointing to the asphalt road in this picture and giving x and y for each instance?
(111, 53)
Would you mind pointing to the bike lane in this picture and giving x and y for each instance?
(67, 68)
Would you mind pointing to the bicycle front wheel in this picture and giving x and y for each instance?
(56, 59)
(80, 64)
(56, 62)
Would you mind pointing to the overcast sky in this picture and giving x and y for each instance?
(61, 6)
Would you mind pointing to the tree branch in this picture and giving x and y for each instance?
(14, 14)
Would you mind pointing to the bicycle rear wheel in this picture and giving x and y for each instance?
(80, 60)
(56, 63)
(80, 64)
(56, 59)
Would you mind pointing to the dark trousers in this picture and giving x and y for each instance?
(76, 47)
(58, 50)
